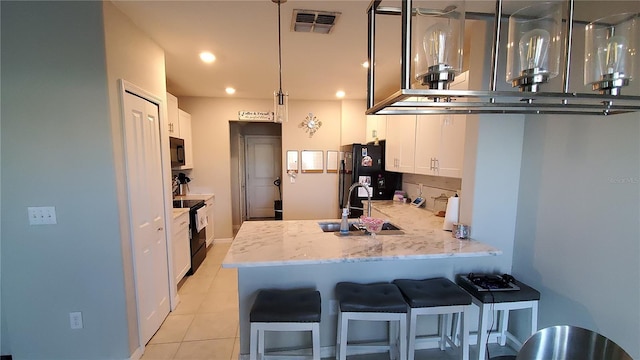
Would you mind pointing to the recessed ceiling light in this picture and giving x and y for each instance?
(365, 64)
(340, 94)
(207, 57)
(230, 90)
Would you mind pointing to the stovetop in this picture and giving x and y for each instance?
(187, 203)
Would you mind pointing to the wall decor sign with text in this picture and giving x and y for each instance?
(255, 115)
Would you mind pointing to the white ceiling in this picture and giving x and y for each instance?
(243, 36)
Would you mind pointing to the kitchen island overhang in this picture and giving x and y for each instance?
(297, 253)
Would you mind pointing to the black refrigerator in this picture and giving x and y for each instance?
(364, 163)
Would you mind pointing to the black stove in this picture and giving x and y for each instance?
(187, 204)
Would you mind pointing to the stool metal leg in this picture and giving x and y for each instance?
(485, 310)
(315, 334)
(403, 337)
(341, 349)
(253, 343)
(464, 328)
(502, 327)
(260, 344)
(412, 334)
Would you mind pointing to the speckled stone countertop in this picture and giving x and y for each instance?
(179, 211)
(302, 242)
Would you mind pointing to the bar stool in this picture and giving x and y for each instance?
(438, 296)
(284, 310)
(372, 302)
(502, 302)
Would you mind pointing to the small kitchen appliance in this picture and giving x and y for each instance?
(176, 149)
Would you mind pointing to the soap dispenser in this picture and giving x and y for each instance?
(344, 224)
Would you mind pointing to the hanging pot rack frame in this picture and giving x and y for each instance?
(408, 101)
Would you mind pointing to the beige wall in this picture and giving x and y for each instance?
(212, 156)
(354, 122)
(130, 55)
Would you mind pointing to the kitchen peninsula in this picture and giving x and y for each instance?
(297, 253)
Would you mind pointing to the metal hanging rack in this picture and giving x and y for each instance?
(427, 101)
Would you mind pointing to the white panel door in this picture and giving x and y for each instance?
(262, 167)
(144, 182)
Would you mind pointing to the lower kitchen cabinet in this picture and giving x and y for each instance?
(181, 249)
(209, 202)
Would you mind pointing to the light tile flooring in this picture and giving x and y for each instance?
(205, 323)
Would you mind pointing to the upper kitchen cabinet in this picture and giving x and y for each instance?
(376, 127)
(427, 144)
(401, 141)
(179, 126)
(172, 112)
(185, 134)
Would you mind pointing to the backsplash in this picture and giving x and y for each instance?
(432, 187)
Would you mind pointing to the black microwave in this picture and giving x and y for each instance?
(176, 146)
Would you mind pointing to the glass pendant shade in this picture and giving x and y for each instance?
(437, 44)
(534, 46)
(610, 52)
(280, 106)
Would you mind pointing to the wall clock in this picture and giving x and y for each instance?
(310, 124)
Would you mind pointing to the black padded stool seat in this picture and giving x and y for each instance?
(296, 305)
(432, 292)
(375, 297)
(526, 293)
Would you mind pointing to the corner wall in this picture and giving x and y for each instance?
(57, 151)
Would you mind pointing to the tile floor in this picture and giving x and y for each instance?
(205, 323)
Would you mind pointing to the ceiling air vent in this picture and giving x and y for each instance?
(319, 22)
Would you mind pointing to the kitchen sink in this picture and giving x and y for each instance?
(355, 229)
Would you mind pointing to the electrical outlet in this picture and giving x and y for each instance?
(42, 215)
(75, 319)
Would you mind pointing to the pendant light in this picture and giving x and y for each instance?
(280, 99)
(609, 54)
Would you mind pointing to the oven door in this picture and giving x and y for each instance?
(176, 146)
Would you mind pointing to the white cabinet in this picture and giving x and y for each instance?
(376, 127)
(427, 144)
(400, 145)
(210, 231)
(181, 250)
(440, 145)
(179, 125)
(184, 119)
(172, 116)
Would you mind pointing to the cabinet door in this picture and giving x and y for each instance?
(428, 132)
(185, 133)
(181, 249)
(210, 225)
(172, 116)
(451, 152)
(401, 141)
(376, 127)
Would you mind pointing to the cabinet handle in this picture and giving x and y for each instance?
(160, 228)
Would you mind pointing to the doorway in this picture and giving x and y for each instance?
(239, 133)
(262, 167)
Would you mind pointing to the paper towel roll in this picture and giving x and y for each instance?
(451, 216)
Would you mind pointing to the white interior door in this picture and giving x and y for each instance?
(264, 164)
(149, 243)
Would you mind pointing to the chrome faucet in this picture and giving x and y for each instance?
(353, 186)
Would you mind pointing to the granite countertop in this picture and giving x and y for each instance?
(179, 211)
(302, 242)
(194, 197)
